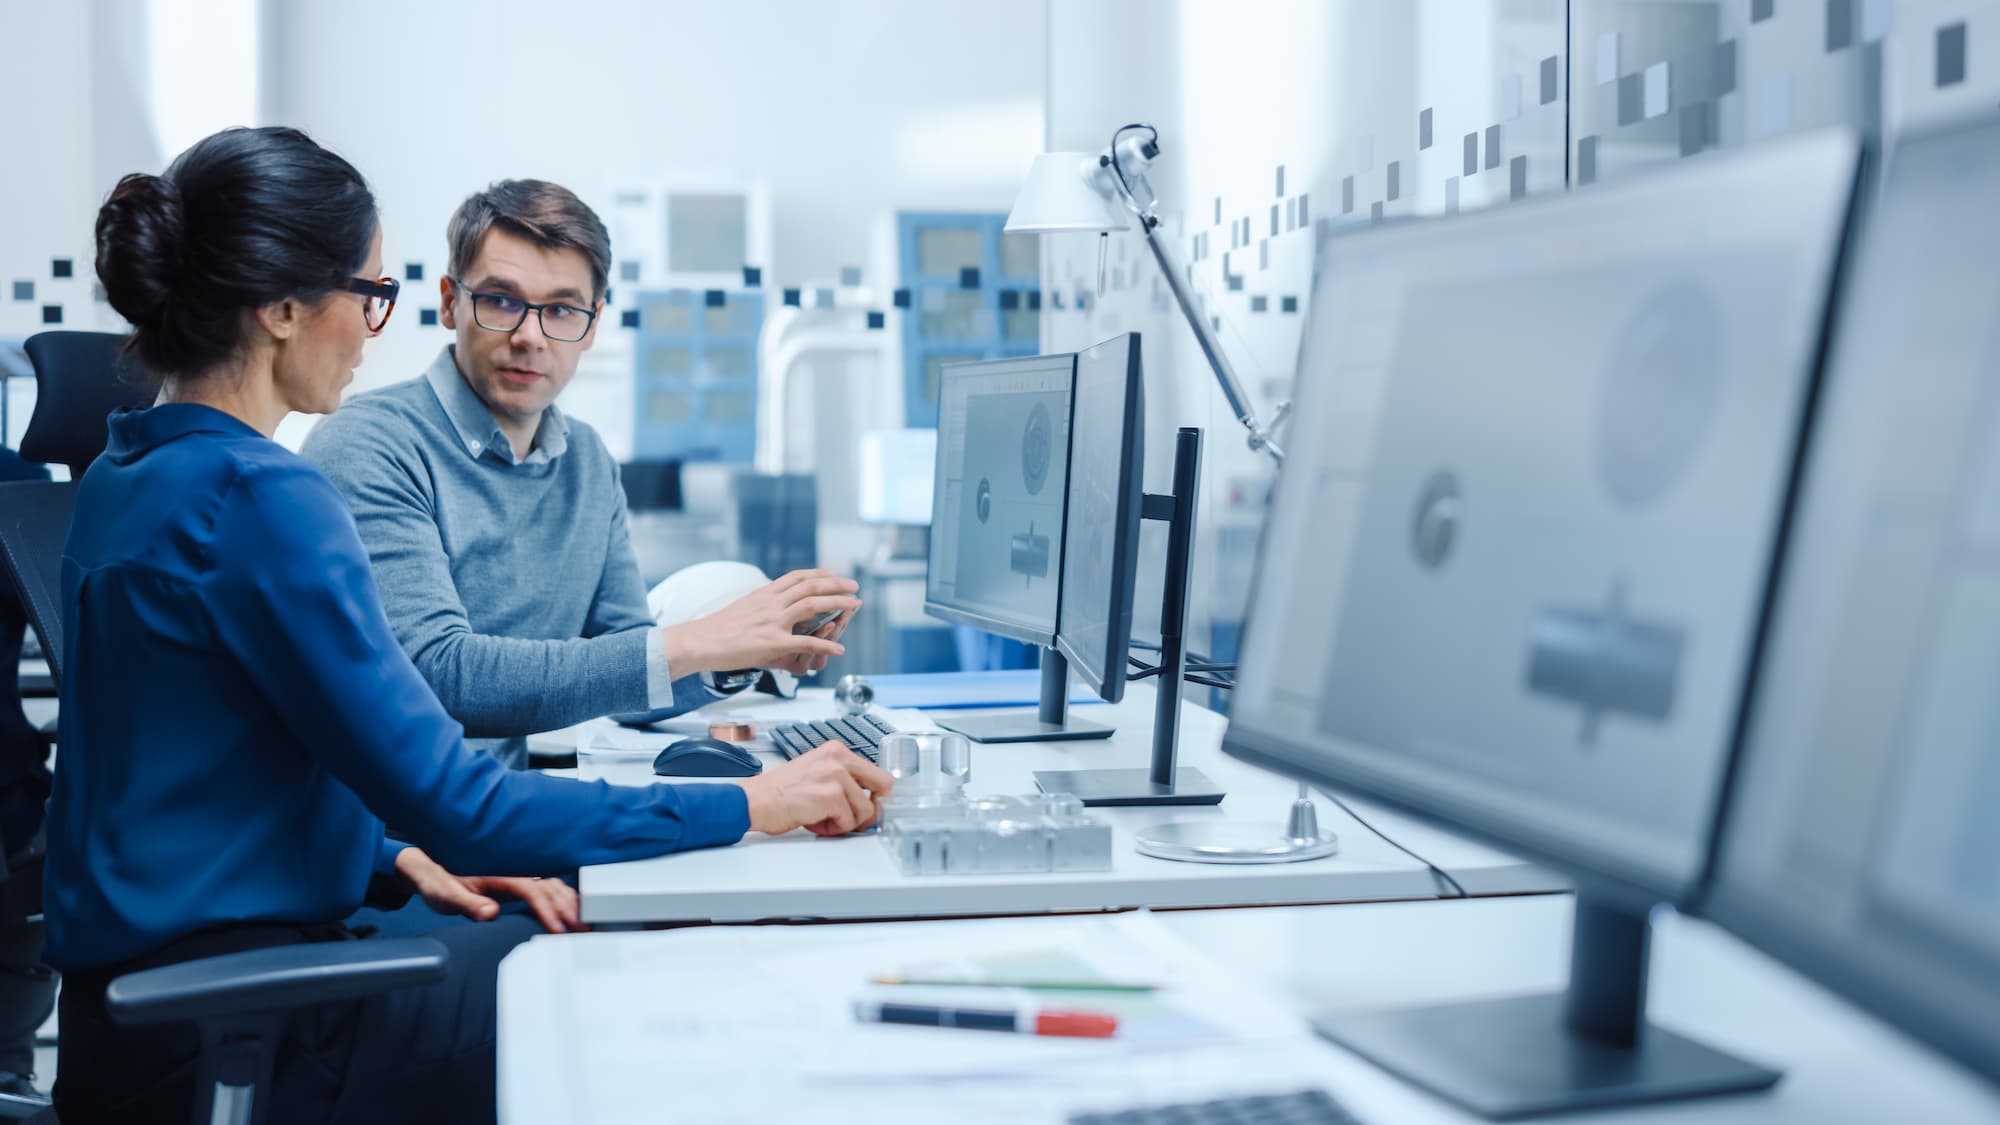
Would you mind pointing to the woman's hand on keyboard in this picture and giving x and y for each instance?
(829, 791)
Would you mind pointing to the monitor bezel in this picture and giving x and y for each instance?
(1611, 880)
(1110, 687)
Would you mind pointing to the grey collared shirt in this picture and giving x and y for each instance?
(511, 583)
(483, 437)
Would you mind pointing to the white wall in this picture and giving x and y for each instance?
(845, 111)
(1239, 88)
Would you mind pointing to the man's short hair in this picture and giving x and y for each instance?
(548, 215)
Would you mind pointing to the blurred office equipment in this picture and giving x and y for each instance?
(651, 486)
(1521, 595)
(1861, 842)
(895, 481)
(695, 374)
(1077, 191)
(970, 290)
(723, 511)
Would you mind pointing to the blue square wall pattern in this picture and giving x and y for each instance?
(629, 318)
(1951, 55)
(427, 317)
(51, 314)
(1010, 298)
(24, 291)
(968, 278)
(791, 298)
(61, 268)
(714, 298)
(753, 277)
(850, 277)
(901, 298)
(877, 319)
(413, 271)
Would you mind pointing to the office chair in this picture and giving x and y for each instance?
(237, 1000)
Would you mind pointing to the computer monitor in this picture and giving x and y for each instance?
(1106, 496)
(1861, 840)
(1002, 478)
(1515, 562)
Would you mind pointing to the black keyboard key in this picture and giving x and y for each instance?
(1306, 1107)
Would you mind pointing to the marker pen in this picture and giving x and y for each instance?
(1024, 1021)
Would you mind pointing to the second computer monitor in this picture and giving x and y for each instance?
(1101, 547)
(1515, 567)
(1003, 449)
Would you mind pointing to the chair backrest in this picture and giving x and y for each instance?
(34, 522)
(80, 378)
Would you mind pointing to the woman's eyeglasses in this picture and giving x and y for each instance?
(381, 298)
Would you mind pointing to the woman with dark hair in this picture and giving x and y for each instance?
(238, 719)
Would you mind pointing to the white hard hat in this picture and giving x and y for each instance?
(701, 589)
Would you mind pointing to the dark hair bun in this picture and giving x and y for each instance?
(243, 219)
(141, 231)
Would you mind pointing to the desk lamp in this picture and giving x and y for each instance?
(1069, 192)
(1078, 191)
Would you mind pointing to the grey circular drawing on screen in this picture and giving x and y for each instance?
(1434, 525)
(1037, 443)
(984, 502)
(1658, 394)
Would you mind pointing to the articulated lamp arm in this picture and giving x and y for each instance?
(1126, 161)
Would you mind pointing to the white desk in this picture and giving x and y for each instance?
(1841, 1066)
(800, 876)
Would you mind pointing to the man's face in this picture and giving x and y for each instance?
(518, 373)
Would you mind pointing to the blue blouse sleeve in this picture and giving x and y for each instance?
(290, 593)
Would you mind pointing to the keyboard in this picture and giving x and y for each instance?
(862, 734)
(1307, 1107)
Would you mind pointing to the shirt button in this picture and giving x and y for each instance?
(475, 447)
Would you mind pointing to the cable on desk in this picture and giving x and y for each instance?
(1435, 870)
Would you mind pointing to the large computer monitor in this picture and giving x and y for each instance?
(1002, 480)
(1861, 840)
(1514, 567)
(1106, 495)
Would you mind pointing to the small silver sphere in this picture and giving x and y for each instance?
(854, 694)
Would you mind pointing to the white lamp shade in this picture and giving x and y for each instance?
(1065, 191)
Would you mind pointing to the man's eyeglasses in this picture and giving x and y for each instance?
(504, 312)
(381, 298)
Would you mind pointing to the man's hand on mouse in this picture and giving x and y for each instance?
(755, 630)
(829, 791)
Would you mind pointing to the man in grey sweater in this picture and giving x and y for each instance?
(496, 525)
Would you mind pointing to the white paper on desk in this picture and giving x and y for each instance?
(754, 1006)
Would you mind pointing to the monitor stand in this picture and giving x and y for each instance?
(1048, 723)
(1162, 783)
(1523, 1056)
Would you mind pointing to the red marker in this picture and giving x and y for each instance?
(1023, 1021)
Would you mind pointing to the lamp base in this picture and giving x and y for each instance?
(1225, 841)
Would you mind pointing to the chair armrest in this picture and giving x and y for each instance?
(274, 979)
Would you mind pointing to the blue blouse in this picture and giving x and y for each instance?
(238, 720)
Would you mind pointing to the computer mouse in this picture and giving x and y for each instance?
(706, 757)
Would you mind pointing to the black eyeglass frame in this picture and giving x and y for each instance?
(527, 306)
